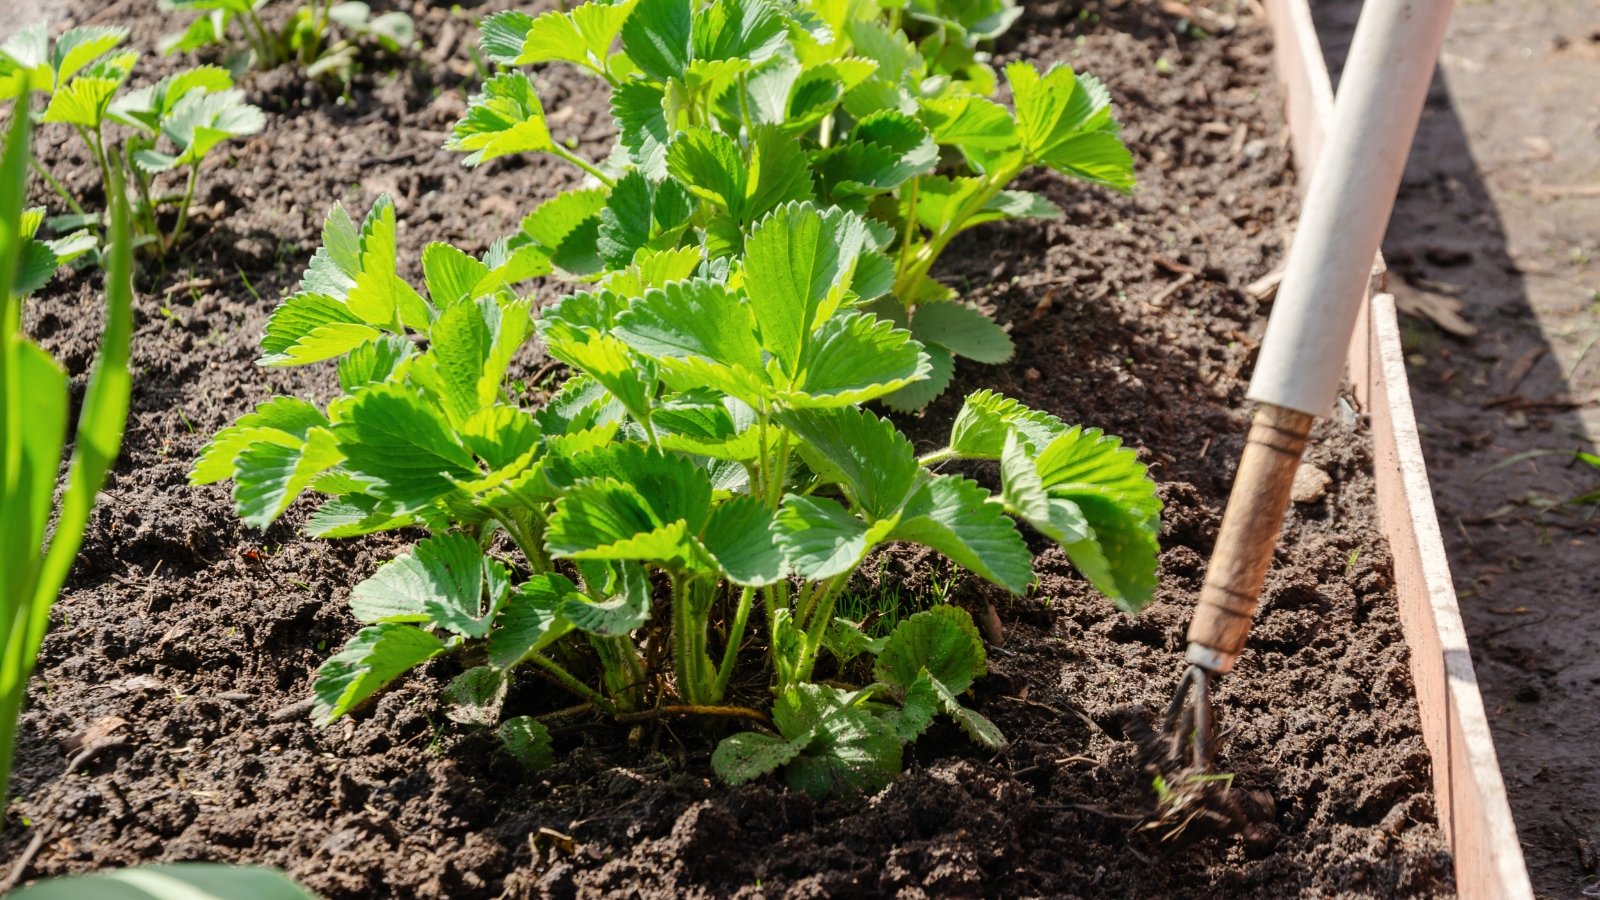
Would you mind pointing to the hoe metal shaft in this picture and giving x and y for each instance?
(1346, 209)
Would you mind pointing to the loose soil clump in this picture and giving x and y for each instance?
(179, 655)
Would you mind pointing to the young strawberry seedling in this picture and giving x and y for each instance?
(727, 109)
(708, 456)
(307, 37)
(133, 136)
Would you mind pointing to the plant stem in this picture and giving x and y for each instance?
(937, 456)
(10, 709)
(819, 625)
(268, 44)
(689, 642)
(56, 186)
(690, 709)
(622, 669)
(730, 653)
(568, 681)
(583, 164)
(183, 207)
(526, 541)
(911, 224)
(909, 278)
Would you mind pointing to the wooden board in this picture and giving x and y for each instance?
(1470, 794)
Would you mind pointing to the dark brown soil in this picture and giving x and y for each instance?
(192, 630)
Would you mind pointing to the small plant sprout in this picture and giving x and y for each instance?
(727, 110)
(132, 135)
(708, 457)
(307, 37)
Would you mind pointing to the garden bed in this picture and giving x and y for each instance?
(186, 640)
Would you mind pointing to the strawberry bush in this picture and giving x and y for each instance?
(709, 456)
(730, 109)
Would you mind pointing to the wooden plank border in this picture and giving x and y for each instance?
(1470, 794)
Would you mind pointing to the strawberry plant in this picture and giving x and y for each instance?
(170, 126)
(728, 109)
(306, 37)
(708, 456)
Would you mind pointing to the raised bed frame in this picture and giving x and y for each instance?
(1469, 793)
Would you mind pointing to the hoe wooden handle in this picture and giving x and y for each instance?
(1249, 533)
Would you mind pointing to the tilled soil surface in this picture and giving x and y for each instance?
(186, 639)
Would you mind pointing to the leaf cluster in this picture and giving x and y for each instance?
(728, 109)
(709, 453)
(308, 37)
(133, 135)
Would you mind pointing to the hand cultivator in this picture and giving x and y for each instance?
(1302, 359)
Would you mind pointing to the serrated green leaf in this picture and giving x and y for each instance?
(978, 727)
(918, 394)
(352, 516)
(450, 273)
(567, 227)
(874, 463)
(963, 331)
(750, 30)
(379, 296)
(986, 418)
(606, 359)
(710, 165)
(742, 758)
(528, 740)
(701, 333)
(475, 696)
(282, 420)
(530, 620)
(268, 476)
(956, 517)
(821, 539)
(401, 447)
(443, 580)
(377, 655)
(656, 37)
(77, 48)
(854, 358)
(739, 537)
(505, 119)
(582, 35)
(1065, 122)
(852, 751)
(941, 641)
(627, 609)
(82, 102)
(639, 111)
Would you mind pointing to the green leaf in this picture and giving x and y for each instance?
(701, 334)
(854, 358)
(1065, 122)
(353, 516)
(656, 37)
(201, 120)
(710, 164)
(81, 46)
(268, 475)
(798, 265)
(505, 119)
(475, 696)
(441, 581)
(846, 641)
(401, 447)
(379, 295)
(941, 641)
(739, 537)
(963, 331)
(528, 740)
(821, 539)
(530, 620)
(750, 30)
(852, 751)
(917, 394)
(82, 102)
(986, 418)
(626, 610)
(874, 463)
(606, 359)
(742, 758)
(639, 110)
(377, 655)
(918, 708)
(884, 150)
(177, 881)
(283, 420)
(977, 727)
(980, 128)
(450, 273)
(604, 518)
(566, 227)
(308, 328)
(376, 360)
(583, 35)
(956, 517)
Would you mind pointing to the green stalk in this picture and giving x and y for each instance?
(937, 456)
(819, 624)
(621, 669)
(583, 164)
(183, 207)
(730, 653)
(690, 661)
(269, 47)
(57, 186)
(909, 278)
(526, 540)
(568, 681)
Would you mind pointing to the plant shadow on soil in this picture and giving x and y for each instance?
(183, 634)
